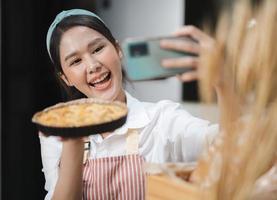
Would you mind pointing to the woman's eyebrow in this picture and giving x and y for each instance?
(94, 42)
(69, 56)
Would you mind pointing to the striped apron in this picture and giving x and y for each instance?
(119, 177)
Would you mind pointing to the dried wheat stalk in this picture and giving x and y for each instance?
(244, 67)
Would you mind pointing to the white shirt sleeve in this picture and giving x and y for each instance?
(185, 136)
(51, 149)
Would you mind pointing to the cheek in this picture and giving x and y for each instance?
(114, 62)
(117, 71)
(75, 76)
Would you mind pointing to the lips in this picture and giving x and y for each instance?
(102, 81)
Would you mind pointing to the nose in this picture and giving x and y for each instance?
(93, 67)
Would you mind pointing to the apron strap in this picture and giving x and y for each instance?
(87, 147)
(132, 142)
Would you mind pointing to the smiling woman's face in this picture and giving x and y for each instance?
(91, 64)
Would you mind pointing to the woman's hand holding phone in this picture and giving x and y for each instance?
(203, 42)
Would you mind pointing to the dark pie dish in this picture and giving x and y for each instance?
(82, 117)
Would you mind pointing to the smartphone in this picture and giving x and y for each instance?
(143, 56)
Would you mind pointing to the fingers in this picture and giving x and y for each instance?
(186, 61)
(203, 39)
(188, 76)
(180, 45)
(65, 139)
(191, 31)
(42, 134)
(61, 139)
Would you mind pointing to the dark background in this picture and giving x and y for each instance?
(198, 13)
(28, 85)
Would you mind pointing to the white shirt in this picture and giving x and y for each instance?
(167, 133)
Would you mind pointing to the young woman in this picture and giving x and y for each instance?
(88, 58)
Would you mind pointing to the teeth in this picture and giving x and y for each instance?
(100, 79)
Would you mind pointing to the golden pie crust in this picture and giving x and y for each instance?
(81, 112)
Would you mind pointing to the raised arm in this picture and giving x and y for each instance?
(62, 167)
(69, 183)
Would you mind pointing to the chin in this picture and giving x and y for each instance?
(110, 95)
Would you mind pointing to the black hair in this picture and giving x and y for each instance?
(67, 23)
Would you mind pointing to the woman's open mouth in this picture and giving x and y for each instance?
(101, 82)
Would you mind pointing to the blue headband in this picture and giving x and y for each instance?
(60, 17)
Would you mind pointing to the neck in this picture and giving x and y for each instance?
(121, 97)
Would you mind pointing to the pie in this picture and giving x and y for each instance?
(79, 113)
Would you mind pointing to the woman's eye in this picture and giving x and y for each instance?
(76, 61)
(98, 49)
